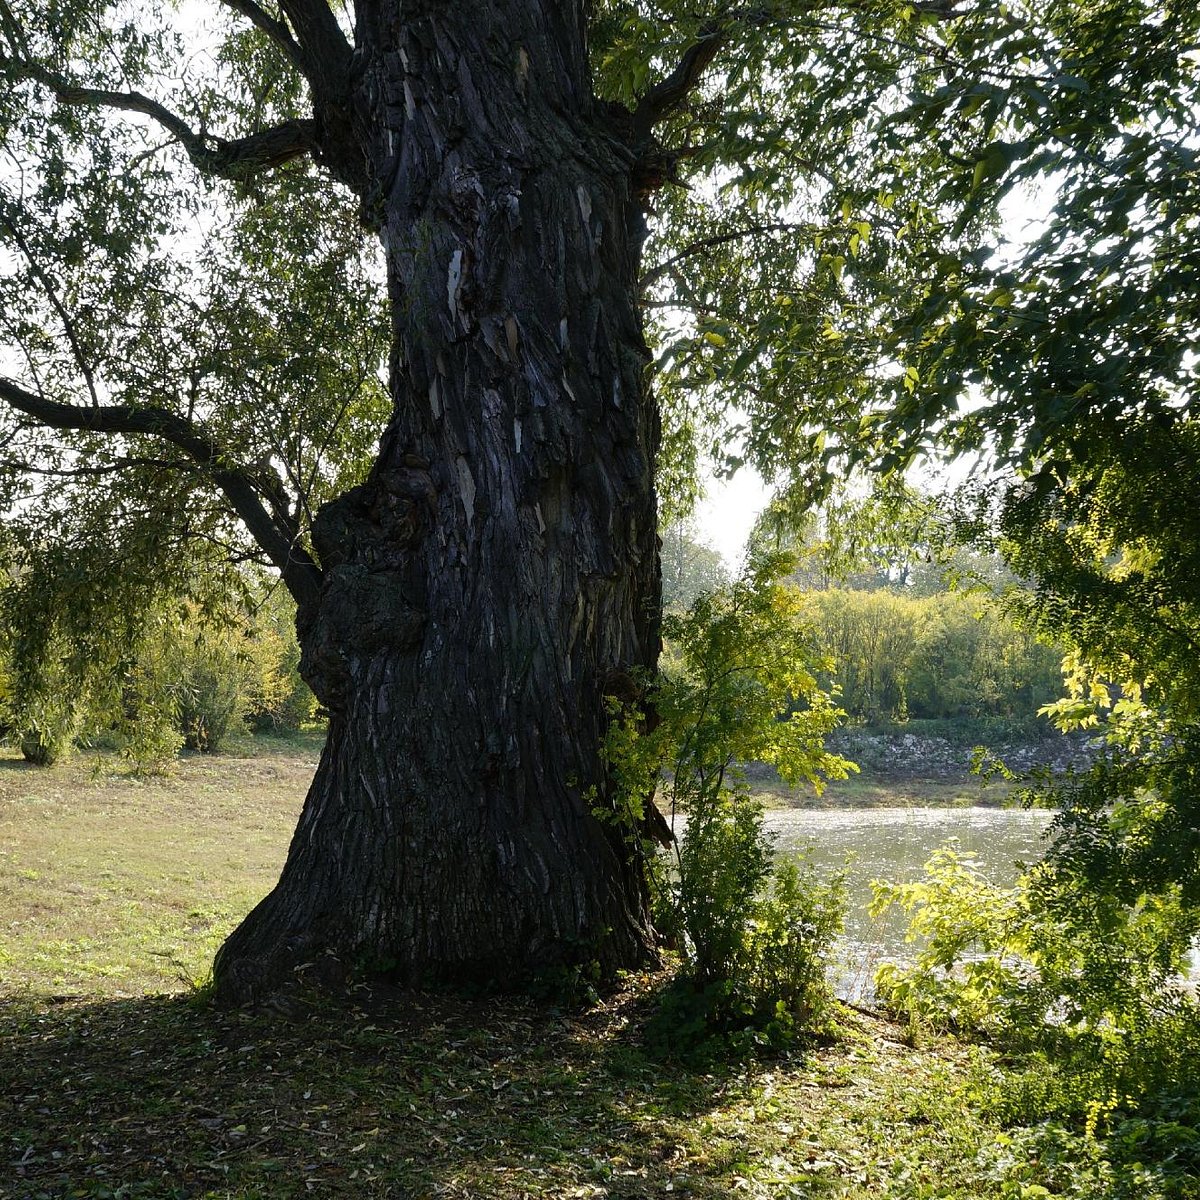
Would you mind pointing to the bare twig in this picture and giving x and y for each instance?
(718, 239)
(113, 468)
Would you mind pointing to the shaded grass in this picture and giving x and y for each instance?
(117, 890)
(411, 1095)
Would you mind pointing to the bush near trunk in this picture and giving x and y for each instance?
(753, 936)
(42, 722)
(43, 745)
(206, 676)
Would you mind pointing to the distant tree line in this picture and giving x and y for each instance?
(690, 568)
(901, 641)
(195, 678)
(947, 655)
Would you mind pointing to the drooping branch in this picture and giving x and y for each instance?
(666, 96)
(11, 28)
(273, 530)
(228, 158)
(56, 303)
(718, 239)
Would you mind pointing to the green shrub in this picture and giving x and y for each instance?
(724, 862)
(6, 692)
(197, 679)
(283, 703)
(760, 930)
(791, 933)
(1081, 985)
(44, 746)
(772, 986)
(739, 685)
(44, 716)
(1147, 1157)
(167, 671)
(972, 941)
(216, 674)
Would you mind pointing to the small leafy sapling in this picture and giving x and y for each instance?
(738, 685)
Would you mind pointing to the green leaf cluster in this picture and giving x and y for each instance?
(250, 312)
(188, 674)
(1082, 986)
(739, 685)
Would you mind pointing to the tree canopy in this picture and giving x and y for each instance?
(820, 280)
(801, 204)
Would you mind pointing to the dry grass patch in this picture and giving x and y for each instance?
(874, 790)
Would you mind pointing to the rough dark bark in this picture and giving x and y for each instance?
(499, 567)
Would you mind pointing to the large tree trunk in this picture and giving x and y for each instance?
(498, 572)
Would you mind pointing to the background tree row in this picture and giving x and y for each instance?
(192, 679)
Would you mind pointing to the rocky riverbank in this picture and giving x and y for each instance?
(953, 766)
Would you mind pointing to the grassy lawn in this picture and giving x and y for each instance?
(115, 886)
(118, 1079)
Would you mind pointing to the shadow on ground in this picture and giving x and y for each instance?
(408, 1096)
(19, 764)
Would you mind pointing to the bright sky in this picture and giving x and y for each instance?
(727, 513)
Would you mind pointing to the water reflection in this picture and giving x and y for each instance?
(894, 844)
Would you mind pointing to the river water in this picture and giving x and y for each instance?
(894, 844)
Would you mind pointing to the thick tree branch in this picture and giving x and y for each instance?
(276, 534)
(233, 158)
(316, 28)
(665, 97)
(323, 46)
(277, 31)
(326, 61)
(313, 42)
